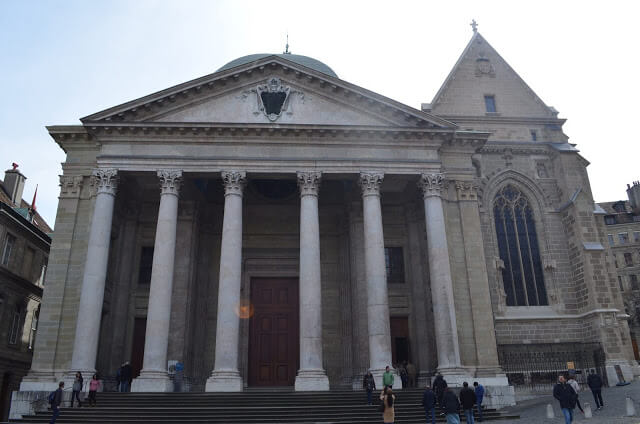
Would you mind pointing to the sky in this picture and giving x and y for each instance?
(63, 60)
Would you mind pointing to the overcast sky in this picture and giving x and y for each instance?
(63, 60)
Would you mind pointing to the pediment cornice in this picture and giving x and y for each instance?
(208, 86)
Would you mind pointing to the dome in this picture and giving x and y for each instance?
(309, 62)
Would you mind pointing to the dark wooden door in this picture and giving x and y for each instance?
(273, 332)
(399, 339)
(137, 348)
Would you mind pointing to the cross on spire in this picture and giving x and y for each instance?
(474, 25)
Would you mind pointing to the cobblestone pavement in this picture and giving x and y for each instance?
(614, 411)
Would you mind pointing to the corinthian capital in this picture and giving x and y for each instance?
(467, 190)
(309, 183)
(170, 180)
(370, 182)
(431, 184)
(234, 182)
(105, 181)
(70, 185)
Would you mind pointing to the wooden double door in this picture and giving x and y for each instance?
(273, 332)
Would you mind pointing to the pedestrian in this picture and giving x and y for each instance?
(94, 385)
(576, 388)
(77, 388)
(178, 378)
(468, 400)
(388, 400)
(369, 384)
(429, 404)
(451, 406)
(595, 384)
(55, 399)
(404, 377)
(126, 375)
(439, 385)
(387, 378)
(479, 389)
(411, 371)
(566, 396)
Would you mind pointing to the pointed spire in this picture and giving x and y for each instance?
(33, 202)
(474, 25)
(286, 50)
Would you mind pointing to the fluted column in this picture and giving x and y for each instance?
(440, 276)
(85, 346)
(311, 376)
(225, 376)
(153, 377)
(377, 298)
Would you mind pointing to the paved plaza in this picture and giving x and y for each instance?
(614, 411)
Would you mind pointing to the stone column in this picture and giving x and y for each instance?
(376, 274)
(225, 376)
(444, 312)
(311, 376)
(153, 377)
(85, 346)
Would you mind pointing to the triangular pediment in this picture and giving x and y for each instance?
(246, 95)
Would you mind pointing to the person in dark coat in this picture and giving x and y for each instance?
(126, 375)
(429, 404)
(595, 384)
(439, 385)
(566, 396)
(77, 388)
(55, 403)
(369, 384)
(479, 389)
(451, 406)
(468, 400)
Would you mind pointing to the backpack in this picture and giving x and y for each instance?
(51, 397)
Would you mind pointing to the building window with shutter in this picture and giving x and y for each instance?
(14, 332)
(628, 259)
(624, 238)
(9, 243)
(490, 104)
(633, 282)
(517, 238)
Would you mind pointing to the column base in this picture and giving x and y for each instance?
(37, 381)
(152, 381)
(224, 381)
(312, 381)
(455, 376)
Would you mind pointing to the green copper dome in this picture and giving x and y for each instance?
(309, 62)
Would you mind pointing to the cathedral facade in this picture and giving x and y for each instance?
(273, 225)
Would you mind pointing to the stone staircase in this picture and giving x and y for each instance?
(255, 406)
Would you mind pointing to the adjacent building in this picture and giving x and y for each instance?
(271, 224)
(24, 252)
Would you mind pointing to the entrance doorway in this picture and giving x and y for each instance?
(273, 332)
(137, 347)
(399, 339)
(5, 396)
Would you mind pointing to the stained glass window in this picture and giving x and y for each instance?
(518, 246)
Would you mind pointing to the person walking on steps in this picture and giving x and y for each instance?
(429, 404)
(388, 400)
(576, 388)
(55, 399)
(451, 406)
(595, 384)
(479, 389)
(439, 386)
(411, 371)
(94, 385)
(468, 401)
(387, 378)
(126, 374)
(77, 388)
(369, 384)
(566, 396)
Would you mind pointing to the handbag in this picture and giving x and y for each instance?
(381, 406)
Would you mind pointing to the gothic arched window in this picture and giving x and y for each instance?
(518, 245)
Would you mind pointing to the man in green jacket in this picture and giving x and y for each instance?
(387, 378)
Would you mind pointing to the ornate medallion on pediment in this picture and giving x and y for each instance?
(484, 67)
(272, 99)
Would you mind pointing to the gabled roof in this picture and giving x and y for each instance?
(205, 86)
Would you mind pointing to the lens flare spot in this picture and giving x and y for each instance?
(244, 310)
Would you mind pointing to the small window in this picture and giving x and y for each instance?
(620, 283)
(534, 135)
(27, 263)
(633, 280)
(490, 104)
(610, 237)
(610, 219)
(628, 259)
(146, 264)
(15, 326)
(394, 262)
(9, 242)
(636, 236)
(624, 238)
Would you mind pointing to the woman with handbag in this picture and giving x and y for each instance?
(387, 400)
(77, 388)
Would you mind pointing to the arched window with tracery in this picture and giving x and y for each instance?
(518, 245)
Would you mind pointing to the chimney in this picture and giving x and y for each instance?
(633, 192)
(14, 184)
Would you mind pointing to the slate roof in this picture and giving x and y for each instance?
(23, 209)
(307, 61)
